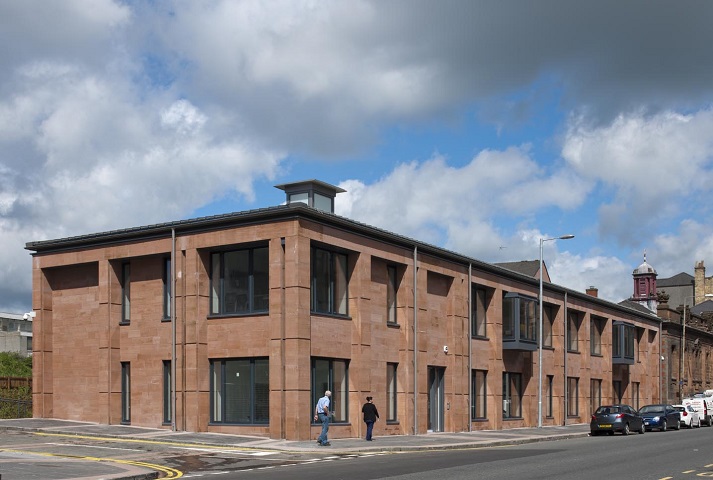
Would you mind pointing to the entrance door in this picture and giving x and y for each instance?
(435, 398)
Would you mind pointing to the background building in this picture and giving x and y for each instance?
(15, 334)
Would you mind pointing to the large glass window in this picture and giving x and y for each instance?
(623, 339)
(240, 281)
(329, 374)
(519, 322)
(512, 395)
(240, 391)
(391, 289)
(329, 282)
(572, 396)
(479, 384)
(391, 369)
(478, 313)
(167, 391)
(167, 288)
(125, 392)
(125, 293)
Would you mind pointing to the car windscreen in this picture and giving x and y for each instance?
(651, 409)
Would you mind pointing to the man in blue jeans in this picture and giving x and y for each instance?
(321, 413)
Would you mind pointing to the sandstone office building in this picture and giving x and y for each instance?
(238, 323)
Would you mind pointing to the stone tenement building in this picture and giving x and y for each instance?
(238, 323)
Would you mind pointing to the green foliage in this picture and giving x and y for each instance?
(14, 365)
(16, 402)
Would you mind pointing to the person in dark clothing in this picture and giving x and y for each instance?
(371, 415)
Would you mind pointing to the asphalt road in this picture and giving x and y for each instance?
(654, 455)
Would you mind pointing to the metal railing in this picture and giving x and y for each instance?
(14, 408)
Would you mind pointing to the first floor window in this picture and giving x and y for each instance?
(331, 374)
(573, 332)
(240, 391)
(329, 282)
(512, 395)
(549, 312)
(167, 391)
(125, 392)
(595, 394)
(595, 335)
(478, 410)
(391, 391)
(167, 279)
(572, 396)
(391, 289)
(126, 292)
(478, 312)
(240, 281)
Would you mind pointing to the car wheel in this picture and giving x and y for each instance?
(710, 421)
(664, 426)
(678, 425)
(642, 430)
(699, 422)
(626, 430)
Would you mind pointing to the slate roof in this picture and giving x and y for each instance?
(678, 280)
(526, 267)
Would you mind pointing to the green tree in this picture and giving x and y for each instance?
(14, 365)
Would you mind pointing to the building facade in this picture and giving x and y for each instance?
(15, 334)
(237, 323)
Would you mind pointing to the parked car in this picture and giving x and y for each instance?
(660, 416)
(703, 404)
(616, 418)
(689, 416)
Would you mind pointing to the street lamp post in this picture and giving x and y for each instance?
(539, 334)
(683, 342)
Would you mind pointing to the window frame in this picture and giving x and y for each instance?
(125, 293)
(574, 322)
(219, 292)
(339, 403)
(392, 289)
(572, 396)
(125, 393)
(595, 393)
(336, 283)
(596, 330)
(479, 312)
(512, 380)
(219, 394)
(479, 395)
(391, 392)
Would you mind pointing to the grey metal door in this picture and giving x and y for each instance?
(435, 398)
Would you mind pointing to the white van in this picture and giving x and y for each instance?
(703, 404)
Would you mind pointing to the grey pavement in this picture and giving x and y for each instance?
(10, 461)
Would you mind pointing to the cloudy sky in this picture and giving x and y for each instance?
(479, 126)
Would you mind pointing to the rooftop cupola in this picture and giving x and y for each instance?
(645, 286)
(316, 194)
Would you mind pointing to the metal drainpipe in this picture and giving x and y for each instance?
(173, 329)
(470, 345)
(566, 347)
(415, 341)
(283, 317)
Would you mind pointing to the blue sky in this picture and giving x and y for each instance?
(479, 126)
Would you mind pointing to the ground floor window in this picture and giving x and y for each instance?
(478, 409)
(240, 391)
(572, 396)
(125, 392)
(391, 392)
(512, 395)
(595, 391)
(635, 395)
(167, 390)
(617, 391)
(549, 412)
(331, 374)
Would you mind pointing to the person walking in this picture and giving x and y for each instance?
(371, 415)
(321, 413)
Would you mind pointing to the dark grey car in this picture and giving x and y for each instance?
(616, 418)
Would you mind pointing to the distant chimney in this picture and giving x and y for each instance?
(593, 291)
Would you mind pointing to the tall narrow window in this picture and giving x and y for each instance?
(240, 391)
(572, 396)
(635, 395)
(167, 288)
(617, 390)
(478, 308)
(167, 391)
(125, 292)
(573, 332)
(391, 289)
(329, 282)
(549, 413)
(240, 281)
(512, 395)
(478, 410)
(328, 374)
(595, 394)
(549, 312)
(391, 392)
(125, 392)
(595, 335)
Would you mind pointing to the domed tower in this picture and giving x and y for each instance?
(645, 286)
